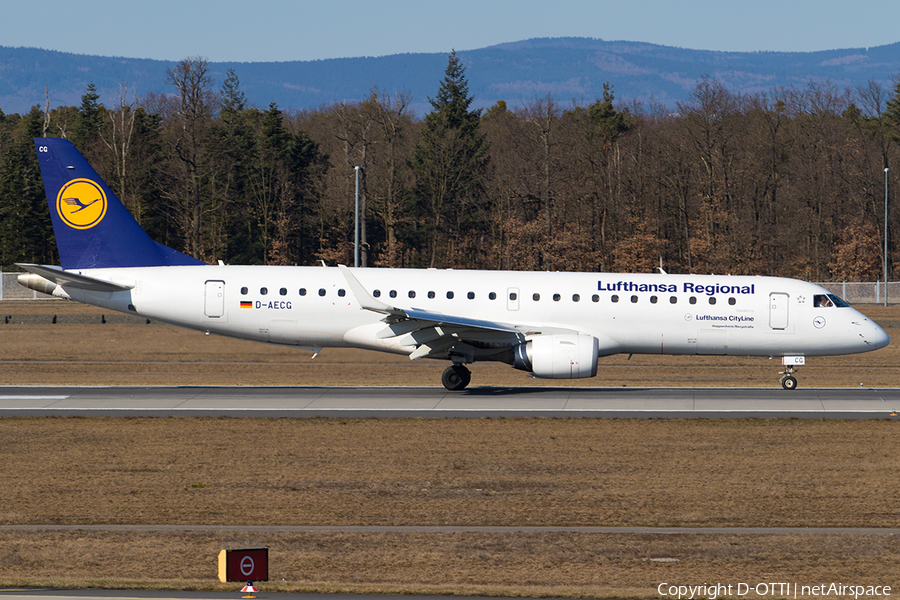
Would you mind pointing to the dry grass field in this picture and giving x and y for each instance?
(557, 472)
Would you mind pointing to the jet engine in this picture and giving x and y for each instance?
(560, 356)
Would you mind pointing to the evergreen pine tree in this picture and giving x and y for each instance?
(89, 115)
(450, 157)
(892, 111)
(26, 232)
(233, 100)
(612, 124)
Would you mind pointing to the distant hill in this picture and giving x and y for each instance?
(569, 68)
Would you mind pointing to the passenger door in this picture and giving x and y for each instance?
(214, 300)
(778, 310)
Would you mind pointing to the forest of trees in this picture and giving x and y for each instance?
(789, 182)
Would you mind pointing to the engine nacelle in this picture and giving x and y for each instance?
(564, 356)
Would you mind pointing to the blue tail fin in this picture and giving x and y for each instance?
(93, 228)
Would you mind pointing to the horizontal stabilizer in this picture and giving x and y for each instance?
(67, 279)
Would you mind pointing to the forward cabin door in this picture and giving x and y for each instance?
(778, 310)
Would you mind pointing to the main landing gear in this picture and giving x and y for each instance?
(788, 381)
(456, 377)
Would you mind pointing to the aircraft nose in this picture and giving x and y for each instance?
(876, 337)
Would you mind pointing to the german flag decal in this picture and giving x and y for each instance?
(246, 304)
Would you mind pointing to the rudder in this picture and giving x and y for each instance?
(93, 228)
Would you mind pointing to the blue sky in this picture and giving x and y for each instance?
(282, 30)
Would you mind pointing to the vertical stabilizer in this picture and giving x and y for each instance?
(93, 228)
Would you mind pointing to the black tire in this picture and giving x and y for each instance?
(456, 377)
(789, 382)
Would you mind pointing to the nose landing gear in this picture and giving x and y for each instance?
(788, 381)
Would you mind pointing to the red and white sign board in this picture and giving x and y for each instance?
(793, 360)
(249, 564)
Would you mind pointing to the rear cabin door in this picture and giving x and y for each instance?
(778, 310)
(214, 301)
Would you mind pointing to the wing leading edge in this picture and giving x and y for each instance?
(436, 334)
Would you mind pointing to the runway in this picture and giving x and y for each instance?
(436, 402)
(99, 594)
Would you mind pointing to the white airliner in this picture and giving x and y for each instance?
(553, 325)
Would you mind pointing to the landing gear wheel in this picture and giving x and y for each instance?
(789, 382)
(456, 377)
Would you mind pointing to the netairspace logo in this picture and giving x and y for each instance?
(779, 590)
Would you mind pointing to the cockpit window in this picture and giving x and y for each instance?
(828, 301)
(839, 302)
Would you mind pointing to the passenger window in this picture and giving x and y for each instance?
(411, 294)
(513, 296)
(283, 291)
(471, 295)
(263, 291)
(693, 300)
(321, 291)
(595, 298)
(575, 297)
(556, 297)
(302, 291)
(392, 293)
(634, 299)
(376, 293)
(342, 293)
(673, 299)
(492, 296)
(431, 295)
(712, 299)
(536, 297)
(244, 291)
(732, 301)
(653, 299)
(615, 298)
(449, 295)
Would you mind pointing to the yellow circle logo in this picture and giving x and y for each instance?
(81, 203)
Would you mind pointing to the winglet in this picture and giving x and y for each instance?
(365, 299)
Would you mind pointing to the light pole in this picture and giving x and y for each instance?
(886, 171)
(356, 218)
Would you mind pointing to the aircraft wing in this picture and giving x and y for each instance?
(68, 279)
(440, 319)
(435, 334)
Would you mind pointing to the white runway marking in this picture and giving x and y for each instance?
(32, 397)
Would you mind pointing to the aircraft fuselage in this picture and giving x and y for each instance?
(629, 313)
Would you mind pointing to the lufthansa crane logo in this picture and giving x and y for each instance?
(81, 203)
